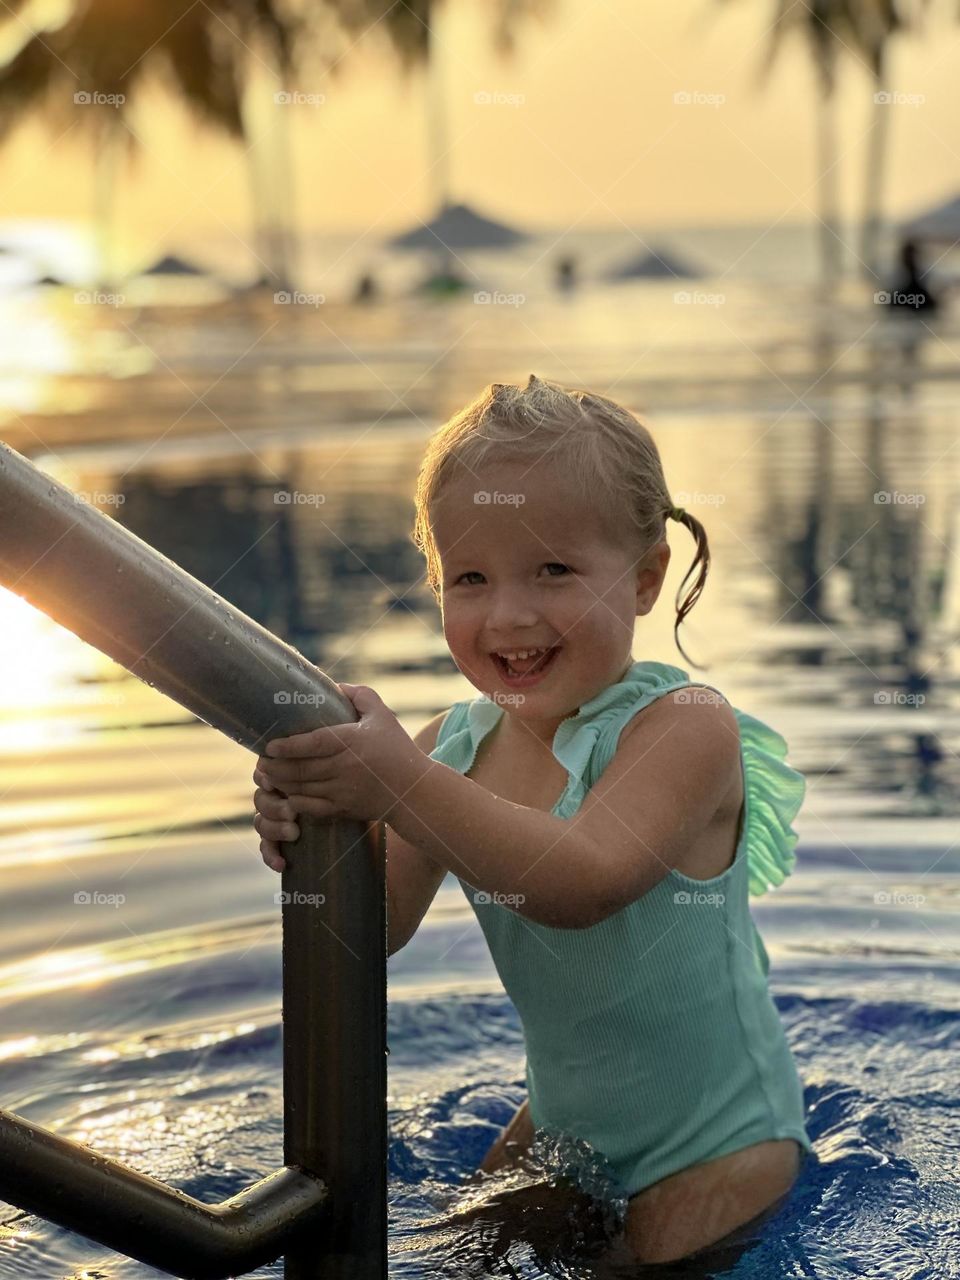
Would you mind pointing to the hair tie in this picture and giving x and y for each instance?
(676, 513)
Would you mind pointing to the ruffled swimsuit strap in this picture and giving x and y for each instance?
(587, 742)
(775, 792)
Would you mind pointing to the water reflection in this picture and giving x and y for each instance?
(817, 448)
(828, 612)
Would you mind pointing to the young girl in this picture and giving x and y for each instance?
(606, 817)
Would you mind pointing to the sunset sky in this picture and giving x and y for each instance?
(585, 128)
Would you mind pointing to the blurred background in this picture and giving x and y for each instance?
(251, 255)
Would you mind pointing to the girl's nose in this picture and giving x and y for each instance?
(511, 611)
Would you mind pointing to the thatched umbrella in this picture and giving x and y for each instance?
(458, 227)
(653, 264)
(940, 224)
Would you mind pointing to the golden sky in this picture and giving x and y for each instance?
(583, 127)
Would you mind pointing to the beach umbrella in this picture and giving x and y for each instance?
(173, 266)
(457, 226)
(653, 264)
(939, 222)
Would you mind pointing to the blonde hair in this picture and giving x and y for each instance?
(599, 441)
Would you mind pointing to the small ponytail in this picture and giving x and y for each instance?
(702, 558)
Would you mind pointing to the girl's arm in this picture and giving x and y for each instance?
(674, 765)
(659, 792)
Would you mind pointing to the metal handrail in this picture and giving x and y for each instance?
(326, 1209)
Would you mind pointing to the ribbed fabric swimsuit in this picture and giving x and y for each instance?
(653, 1034)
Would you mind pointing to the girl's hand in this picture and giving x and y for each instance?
(274, 822)
(358, 771)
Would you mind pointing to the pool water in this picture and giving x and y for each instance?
(145, 1021)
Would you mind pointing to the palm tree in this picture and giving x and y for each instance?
(878, 23)
(93, 66)
(827, 28)
(861, 28)
(97, 62)
(280, 33)
(410, 27)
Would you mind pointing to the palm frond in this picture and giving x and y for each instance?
(203, 65)
(860, 28)
(10, 10)
(508, 17)
(405, 24)
(27, 81)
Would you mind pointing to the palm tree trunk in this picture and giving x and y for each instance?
(106, 149)
(877, 148)
(256, 186)
(270, 195)
(438, 143)
(286, 217)
(831, 261)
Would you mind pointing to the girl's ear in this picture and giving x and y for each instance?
(651, 572)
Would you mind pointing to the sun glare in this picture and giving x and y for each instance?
(37, 658)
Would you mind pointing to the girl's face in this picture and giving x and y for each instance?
(526, 564)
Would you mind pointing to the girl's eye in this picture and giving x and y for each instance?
(551, 564)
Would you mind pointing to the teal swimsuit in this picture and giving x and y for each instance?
(653, 1034)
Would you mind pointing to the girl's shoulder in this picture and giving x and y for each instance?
(773, 789)
(587, 741)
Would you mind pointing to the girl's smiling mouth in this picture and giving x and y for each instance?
(518, 671)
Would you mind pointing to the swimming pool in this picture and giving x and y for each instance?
(149, 1026)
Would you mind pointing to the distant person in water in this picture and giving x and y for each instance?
(911, 290)
(606, 816)
(566, 277)
(366, 288)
